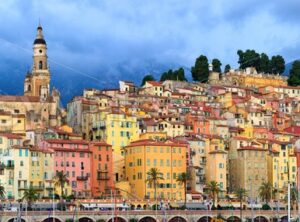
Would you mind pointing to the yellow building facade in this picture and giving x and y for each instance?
(168, 157)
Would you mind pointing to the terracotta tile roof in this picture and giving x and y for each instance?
(11, 135)
(149, 142)
(154, 83)
(251, 148)
(293, 130)
(67, 141)
(36, 99)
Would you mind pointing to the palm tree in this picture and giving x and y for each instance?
(241, 193)
(214, 188)
(265, 191)
(30, 195)
(153, 177)
(2, 192)
(61, 179)
(182, 180)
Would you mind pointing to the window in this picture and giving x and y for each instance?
(148, 162)
(40, 65)
(74, 185)
(81, 154)
(139, 162)
(26, 152)
(140, 176)
(154, 162)
(20, 152)
(161, 162)
(21, 163)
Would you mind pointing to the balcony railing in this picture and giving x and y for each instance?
(23, 187)
(103, 177)
(99, 125)
(82, 177)
(38, 188)
(9, 166)
(49, 187)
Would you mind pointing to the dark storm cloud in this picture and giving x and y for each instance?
(90, 34)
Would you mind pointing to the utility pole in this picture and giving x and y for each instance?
(298, 193)
(289, 201)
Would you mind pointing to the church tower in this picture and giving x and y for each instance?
(37, 82)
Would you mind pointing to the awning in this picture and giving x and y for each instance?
(174, 205)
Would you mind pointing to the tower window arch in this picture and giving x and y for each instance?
(29, 88)
(40, 65)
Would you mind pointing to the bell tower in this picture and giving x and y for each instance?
(37, 82)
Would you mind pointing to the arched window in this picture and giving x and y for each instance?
(29, 88)
(40, 65)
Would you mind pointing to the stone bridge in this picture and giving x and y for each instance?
(147, 216)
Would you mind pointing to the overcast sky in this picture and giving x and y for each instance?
(86, 35)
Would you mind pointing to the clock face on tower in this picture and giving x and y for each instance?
(40, 51)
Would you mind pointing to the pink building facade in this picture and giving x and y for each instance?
(73, 157)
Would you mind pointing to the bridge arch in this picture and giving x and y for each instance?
(117, 219)
(178, 219)
(233, 219)
(52, 219)
(284, 218)
(147, 219)
(86, 219)
(261, 219)
(15, 219)
(205, 219)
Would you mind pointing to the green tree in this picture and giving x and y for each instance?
(166, 75)
(241, 193)
(277, 64)
(200, 70)
(30, 195)
(227, 68)
(182, 179)
(2, 192)
(147, 78)
(61, 179)
(177, 75)
(265, 191)
(249, 58)
(153, 178)
(294, 77)
(264, 63)
(214, 188)
(180, 75)
(216, 65)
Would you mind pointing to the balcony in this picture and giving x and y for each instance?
(9, 166)
(82, 178)
(49, 187)
(99, 125)
(38, 188)
(23, 187)
(102, 177)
